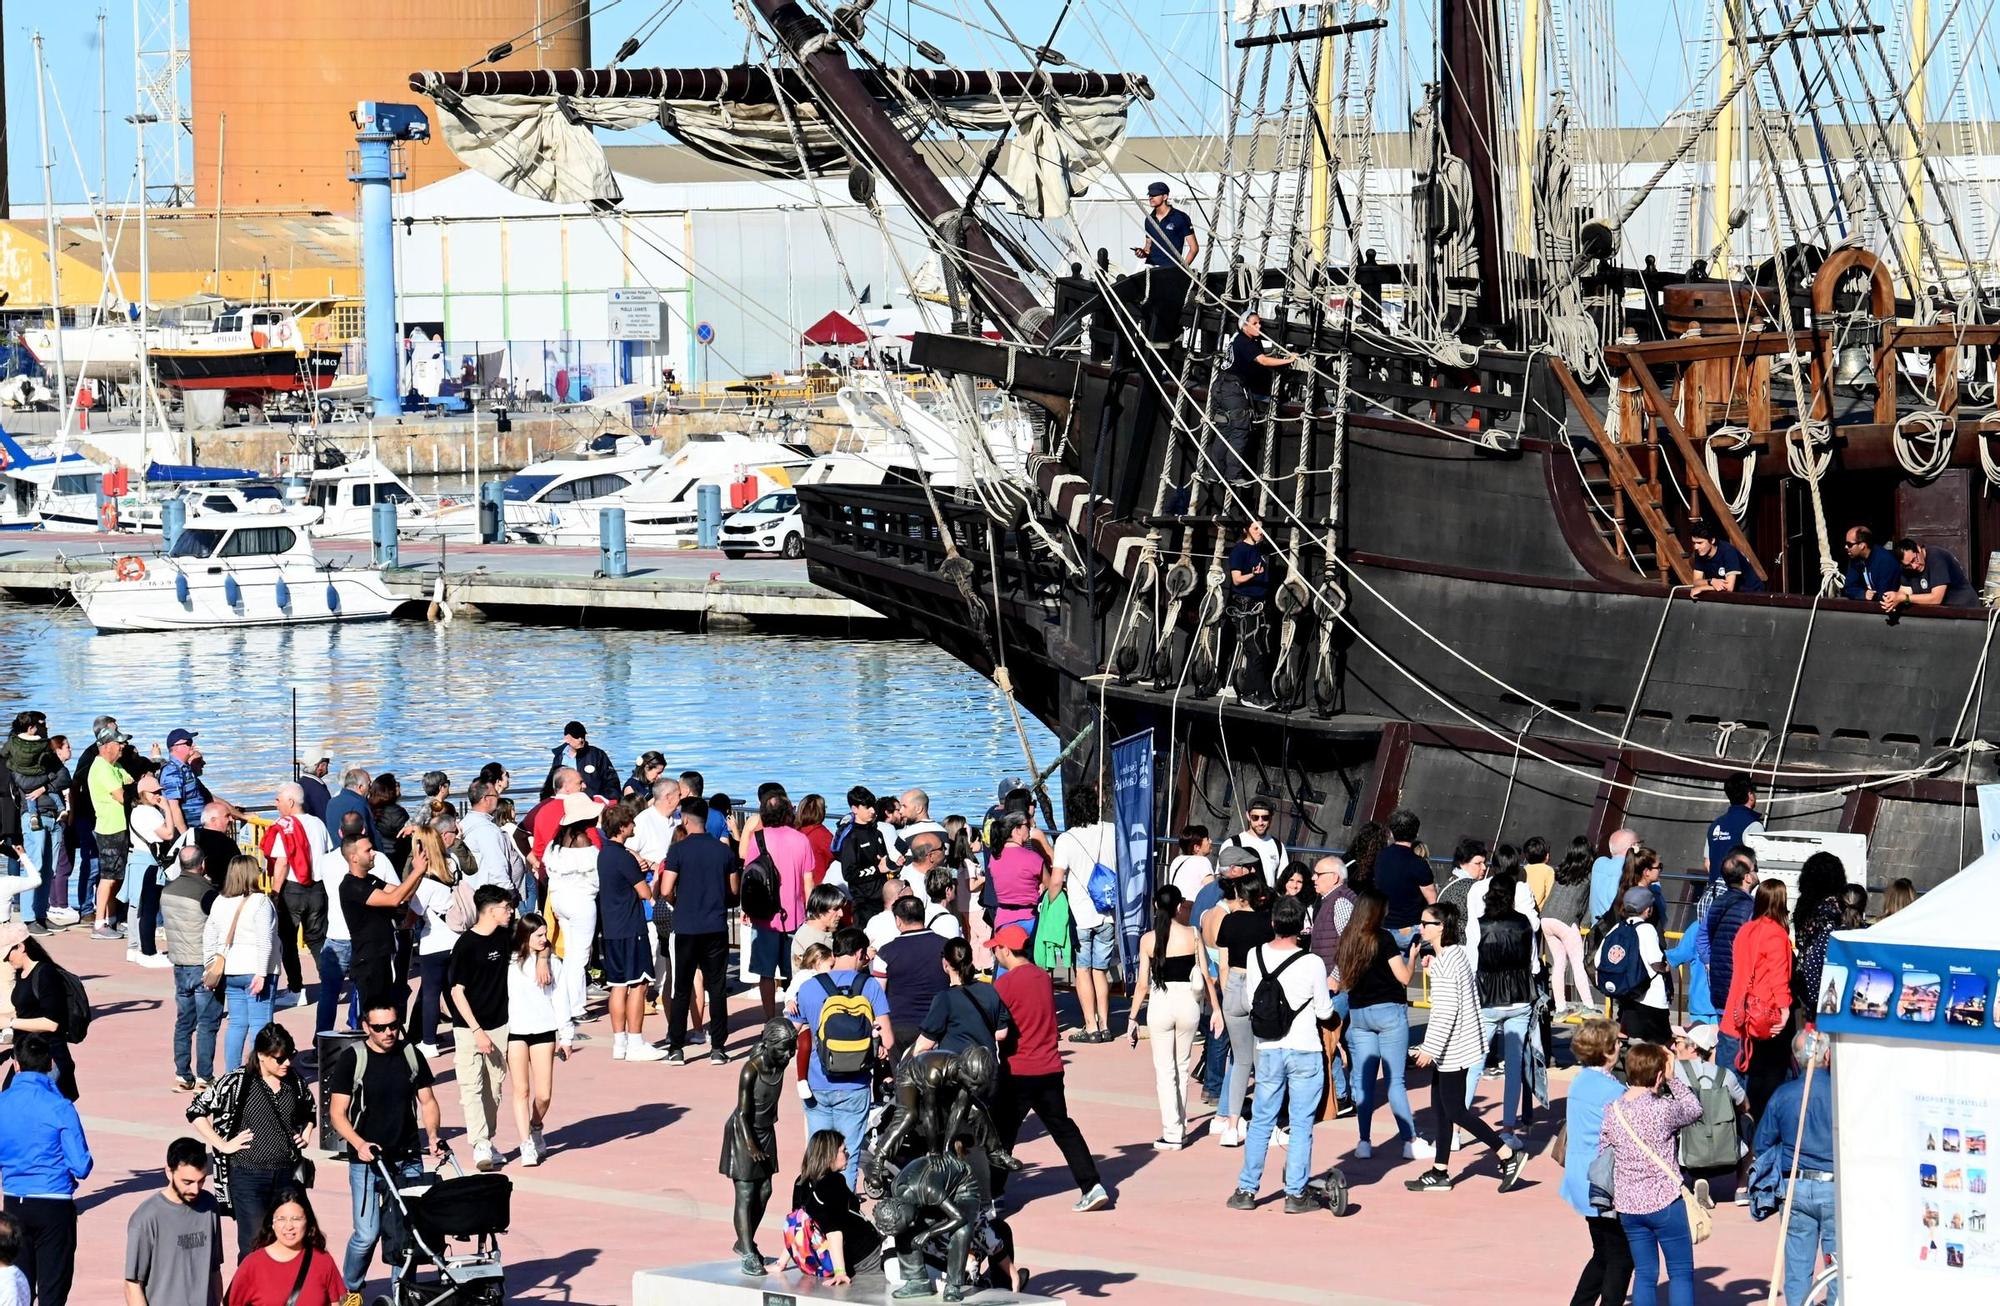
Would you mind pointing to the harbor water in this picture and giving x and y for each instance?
(817, 714)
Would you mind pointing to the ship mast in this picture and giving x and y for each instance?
(1468, 44)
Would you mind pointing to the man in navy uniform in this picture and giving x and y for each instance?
(1169, 248)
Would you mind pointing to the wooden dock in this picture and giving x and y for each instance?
(522, 582)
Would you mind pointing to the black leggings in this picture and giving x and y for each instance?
(1448, 1109)
(1607, 1275)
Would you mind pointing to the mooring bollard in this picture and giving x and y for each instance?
(611, 539)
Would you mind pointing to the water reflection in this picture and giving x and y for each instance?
(818, 713)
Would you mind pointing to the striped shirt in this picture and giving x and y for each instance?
(1452, 1038)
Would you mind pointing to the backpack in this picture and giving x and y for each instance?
(1270, 1015)
(1621, 971)
(462, 913)
(1103, 888)
(1710, 1142)
(759, 896)
(840, 833)
(76, 1006)
(844, 1036)
(354, 1103)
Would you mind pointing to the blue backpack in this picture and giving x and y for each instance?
(1103, 888)
(1621, 970)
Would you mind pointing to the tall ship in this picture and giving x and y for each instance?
(1540, 367)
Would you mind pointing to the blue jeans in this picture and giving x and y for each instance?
(375, 1219)
(1726, 1048)
(1379, 1038)
(44, 849)
(1809, 1234)
(1511, 1024)
(1304, 1073)
(845, 1112)
(1662, 1233)
(1214, 1059)
(333, 962)
(197, 1016)
(248, 1013)
(1341, 1073)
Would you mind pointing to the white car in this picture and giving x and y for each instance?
(771, 524)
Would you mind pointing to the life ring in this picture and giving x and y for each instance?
(131, 568)
(107, 516)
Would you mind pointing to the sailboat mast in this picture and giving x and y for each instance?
(1469, 34)
(857, 115)
(1913, 162)
(49, 222)
(140, 118)
(1722, 190)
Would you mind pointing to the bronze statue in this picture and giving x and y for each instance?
(941, 1096)
(936, 1196)
(750, 1137)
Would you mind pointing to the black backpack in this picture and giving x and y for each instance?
(1270, 1015)
(76, 1005)
(760, 899)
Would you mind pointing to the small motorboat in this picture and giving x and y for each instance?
(254, 568)
(346, 488)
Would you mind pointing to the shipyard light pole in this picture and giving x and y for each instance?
(378, 128)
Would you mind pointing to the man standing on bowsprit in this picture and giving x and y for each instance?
(1169, 249)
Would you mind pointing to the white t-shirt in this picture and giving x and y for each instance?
(881, 928)
(13, 1286)
(1191, 874)
(1269, 850)
(317, 838)
(433, 901)
(1304, 982)
(1079, 852)
(941, 923)
(652, 835)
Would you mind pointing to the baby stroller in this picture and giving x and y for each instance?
(436, 1210)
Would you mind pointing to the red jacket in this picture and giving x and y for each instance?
(1760, 988)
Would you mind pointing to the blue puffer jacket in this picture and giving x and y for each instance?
(1730, 914)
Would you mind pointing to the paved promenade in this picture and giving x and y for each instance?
(631, 1183)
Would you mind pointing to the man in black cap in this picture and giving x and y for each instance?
(600, 779)
(1169, 248)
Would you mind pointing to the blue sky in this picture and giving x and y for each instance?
(1175, 46)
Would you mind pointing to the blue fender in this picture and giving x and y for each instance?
(231, 591)
(181, 588)
(284, 595)
(332, 598)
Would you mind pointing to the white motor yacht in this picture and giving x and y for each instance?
(235, 569)
(896, 430)
(55, 491)
(346, 495)
(535, 495)
(664, 507)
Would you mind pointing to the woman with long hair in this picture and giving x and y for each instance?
(1296, 881)
(1758, 1012)
(1370, 838)
(853, 1245)
(1564, 910)
(40, 1001)
(571, 863)
(1452, 1045)
(1375, 975)
(1639, 1130)
(272, 1275)
(812, 824)
(1166, 988)
(259, 1120)
(1642, 871)
(1506, 985)
(1900, 894)
(1815, 919)
(434, 945)
(538, 1031)
(1246, 927)
(392, 819)
(243, 931)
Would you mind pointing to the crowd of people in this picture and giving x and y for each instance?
(895, 959)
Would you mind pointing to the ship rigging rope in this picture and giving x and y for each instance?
(1867, 779)
(1923, 442)
(1989, 426)
(1732, 439)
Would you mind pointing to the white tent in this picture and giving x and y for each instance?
(1917, 1096)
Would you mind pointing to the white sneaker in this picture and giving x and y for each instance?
(638, 1050)
(1363, 1150)
(429, 1051)
(483, 1158)
(1281, 1136)
(618, 1048)
(1236, 1136)
(529, 1155)
(536, 1141)
(1418, 1149)
(154, 961)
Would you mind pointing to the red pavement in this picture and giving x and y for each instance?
(632, 1184)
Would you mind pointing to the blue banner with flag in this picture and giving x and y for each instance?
(1132, 811)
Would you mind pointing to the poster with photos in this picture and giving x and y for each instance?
(1951, 1180)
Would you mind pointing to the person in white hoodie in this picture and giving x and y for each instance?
(539, 1030)
(243, 931)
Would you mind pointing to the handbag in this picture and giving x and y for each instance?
(1560, 1149)
(299, 1284)
(1602, 1179)
(211, 970)
(1700, 1222)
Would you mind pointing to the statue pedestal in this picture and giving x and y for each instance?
(723, 1283)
